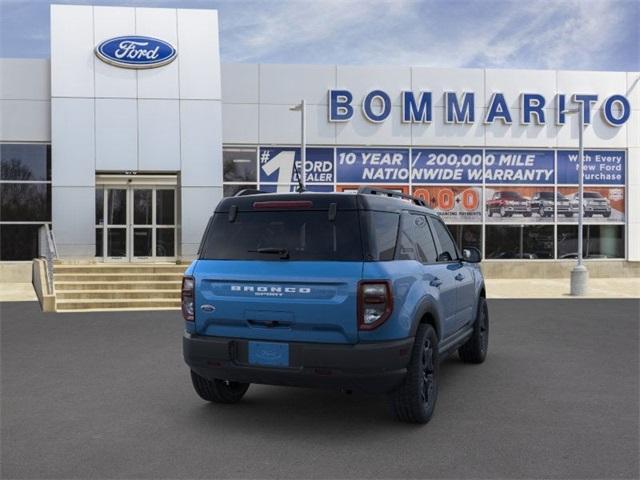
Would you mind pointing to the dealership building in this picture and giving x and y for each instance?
(126, 163)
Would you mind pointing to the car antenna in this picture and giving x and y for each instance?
(300, 188)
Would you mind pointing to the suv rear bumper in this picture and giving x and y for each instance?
(369, 367)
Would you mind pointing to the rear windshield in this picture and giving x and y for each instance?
(284, 235)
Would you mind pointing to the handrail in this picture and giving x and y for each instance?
(50, 253)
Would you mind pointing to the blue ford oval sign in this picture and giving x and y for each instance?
(134, 51)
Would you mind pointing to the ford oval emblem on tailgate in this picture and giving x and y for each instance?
(134, 51)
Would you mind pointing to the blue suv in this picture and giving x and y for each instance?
(363, 291)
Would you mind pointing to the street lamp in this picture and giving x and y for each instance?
(579, 274)
(303, 142)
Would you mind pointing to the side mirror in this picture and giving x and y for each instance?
(471, 255)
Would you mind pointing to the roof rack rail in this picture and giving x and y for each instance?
(392, 193)
(247, 191)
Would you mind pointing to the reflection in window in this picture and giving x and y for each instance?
(25, 162)
(239, 164)
(467, 235)
(231, 190)
(25, 202)
(519, 241)
(165, 207)
(18, 242)
(598, 241)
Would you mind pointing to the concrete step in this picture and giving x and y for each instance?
(124, 268)
(118, 294)
(116, 277)
(101, 304)
(118, 285)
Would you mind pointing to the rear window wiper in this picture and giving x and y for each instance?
(283, 252)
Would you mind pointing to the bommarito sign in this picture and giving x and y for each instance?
(460, 108)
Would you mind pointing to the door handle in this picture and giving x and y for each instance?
(459, 277)
(436, 282)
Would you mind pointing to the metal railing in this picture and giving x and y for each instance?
(48, 250)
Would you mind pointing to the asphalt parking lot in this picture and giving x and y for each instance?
(106, 395)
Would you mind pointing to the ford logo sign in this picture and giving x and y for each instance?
(134, 51)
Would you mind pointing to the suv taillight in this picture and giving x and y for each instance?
(375, 303)
(188, 306)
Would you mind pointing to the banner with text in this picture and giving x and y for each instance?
(600, 167)
(372, 165)
(518, 166)
(277, 165)
(435, 165)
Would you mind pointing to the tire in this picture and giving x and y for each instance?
(475, 349)
(414, 400)
(606, 214)
(490, 212)
(527, 214)
(568, 215)
(218, 391)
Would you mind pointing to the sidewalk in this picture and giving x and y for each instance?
(17, 292)
(559, 288)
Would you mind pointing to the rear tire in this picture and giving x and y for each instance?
(415, 399)
(475, 349)
(218, 391)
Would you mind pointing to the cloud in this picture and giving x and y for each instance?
(544, 34)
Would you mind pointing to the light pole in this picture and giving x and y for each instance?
(580, 274)
(303, 142)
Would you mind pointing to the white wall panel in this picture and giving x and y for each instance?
(633, 171)
(158, 135)
(116, 134)
(25, 121)
(319, 130)
(360, 131)
(288, 84)
(439, 133)
(514, 82)
(361, 80)
(603, 84)
(240, 123)
(199, 55)
(73, 142)
(111, 81)
(24, 79)
(198, 203)
(240, 83)
(440, 80)
(73, 215)
(201, 142)
(519, 135)
(633, 129)
(159, 23)
(72, 54)
(597, 135)
(633, 89)
(279, 125)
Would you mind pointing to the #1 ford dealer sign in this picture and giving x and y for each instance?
(134, 51)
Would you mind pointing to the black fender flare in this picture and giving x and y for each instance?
(427, 308)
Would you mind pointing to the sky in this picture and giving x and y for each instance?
(534, 34)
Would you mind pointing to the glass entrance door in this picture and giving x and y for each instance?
(136, 223)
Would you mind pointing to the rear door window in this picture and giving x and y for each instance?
(416, 241)
(278, 235)
(447, 251)
(383, 233)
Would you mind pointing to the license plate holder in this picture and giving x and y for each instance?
(269, 354)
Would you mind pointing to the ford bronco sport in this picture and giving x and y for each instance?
(363, 291)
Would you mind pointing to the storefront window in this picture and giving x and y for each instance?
(231, 190)
(18, 242)
(25, 198)
(529, 242)
(239, 164)
(467, 235)
(598, 241)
